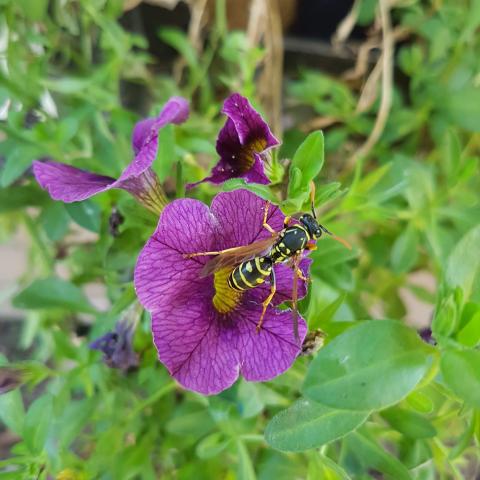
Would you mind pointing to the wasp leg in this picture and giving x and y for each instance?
(301, 276)
(216, 252)
(265, 223)
(286, 221)
(266, 303)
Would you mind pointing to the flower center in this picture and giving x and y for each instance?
(247, 158)
(226, 298)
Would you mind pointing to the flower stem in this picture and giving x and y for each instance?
(152, 399)
(180, 186)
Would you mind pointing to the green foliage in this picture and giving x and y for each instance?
(376, 401)
(370, 366)
(307, 424)
(53, 293)
(307, 162)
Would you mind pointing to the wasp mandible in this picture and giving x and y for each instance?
(253, 264)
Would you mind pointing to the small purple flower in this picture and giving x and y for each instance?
(117, 346)
(205, 332)
(242, 144)
(70, 184)
(426, 335)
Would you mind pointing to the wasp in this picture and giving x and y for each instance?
(253, 264)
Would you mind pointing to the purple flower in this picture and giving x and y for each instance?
(241, 144)
(71, 184)
(204, 331)
(117, 346)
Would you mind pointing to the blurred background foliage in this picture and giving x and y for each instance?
(394, 85)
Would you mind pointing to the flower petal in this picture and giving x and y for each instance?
(240, 218)
(67, 183)
(256, 174)
(229, 148)
(71, 184)
(270, 352)
(221, 172)
(145, 135)
(249, 125)
(162, 273)
(195, 347)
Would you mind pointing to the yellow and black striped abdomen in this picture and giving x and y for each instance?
(250, 274)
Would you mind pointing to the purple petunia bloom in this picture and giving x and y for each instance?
(204, 331)
(241, 144)
(70, 184)
(117, 346)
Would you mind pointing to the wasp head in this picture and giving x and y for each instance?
(313, 227)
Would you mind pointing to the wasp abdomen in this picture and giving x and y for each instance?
(251, 273)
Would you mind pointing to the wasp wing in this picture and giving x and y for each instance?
(235, 256)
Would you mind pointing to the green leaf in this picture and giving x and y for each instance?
(318, 318)
(212, 445)
(73, 419)
(446, 317)
(324, 468)
(249, 399)
(461, 372)
(331, 253)
(55, 221)
(17, 197)
(37, 423)
(370, 366)
(327, 192)
(12, 412)
(420, 402)
(451, 154)
(17, 162)
(413, 453)
(53, 292)
(33, 9)
(308, 424)
(464, 262)
(409, 423)
(469, 335)
(261, 190)
(13, 475)
(190, 420)
(463, 108)
(372, 456)
(86, 214)
(404, 251)
(245, 466)
(179, 40)
(306, 165)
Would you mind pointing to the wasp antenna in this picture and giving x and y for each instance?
(325, 229)
(342, 241)
(335, 237)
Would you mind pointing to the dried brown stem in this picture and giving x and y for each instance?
(387, 86)
(346, 26)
